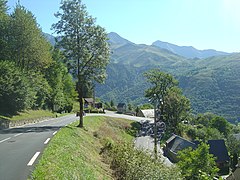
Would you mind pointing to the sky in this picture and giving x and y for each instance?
(203, 24)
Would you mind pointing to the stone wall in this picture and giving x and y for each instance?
(4, 123)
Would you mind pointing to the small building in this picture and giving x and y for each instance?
(219, 150)
(147, 113)
(88, 102)
(174, 144)
(121, 108)
(216, 147)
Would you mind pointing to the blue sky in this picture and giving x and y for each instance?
(204, 24)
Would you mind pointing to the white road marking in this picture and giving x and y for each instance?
(18, 134)
(33, 159)
(48, 139)
(5, 140)
(55, 133)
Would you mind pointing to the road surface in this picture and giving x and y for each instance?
(21, 147)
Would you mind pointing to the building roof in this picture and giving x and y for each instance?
(177, 143)
(216, 147)
(219, 150)
(89, 100)
(148, 112)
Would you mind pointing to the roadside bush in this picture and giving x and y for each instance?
(130, 163)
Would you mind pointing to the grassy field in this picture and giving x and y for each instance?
(74, 153)
(26, 115)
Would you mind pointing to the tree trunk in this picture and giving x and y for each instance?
(80, 97)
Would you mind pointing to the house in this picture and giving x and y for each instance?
(98, 105)
(219, 150)
(216, 147)
(148, 113)
(174, 144)
(88, 102)
(121, 108)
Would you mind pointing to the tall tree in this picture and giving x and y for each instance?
(4, 29)
(84, 45)
(177, 108)
(29, 48)
(161, 83)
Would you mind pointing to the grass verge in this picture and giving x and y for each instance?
(74, 153)
(31, 114)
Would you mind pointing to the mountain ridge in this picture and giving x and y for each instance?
(212, 84)
(189, 51)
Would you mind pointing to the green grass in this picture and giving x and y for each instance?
(74, 153)
(27, 115)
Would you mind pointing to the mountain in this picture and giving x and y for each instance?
(188, 51)
(50, 38)
(115, 39)
(212, 84)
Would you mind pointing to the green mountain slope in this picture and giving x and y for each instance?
(214, 85)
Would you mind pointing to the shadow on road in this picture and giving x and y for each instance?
(29, 129)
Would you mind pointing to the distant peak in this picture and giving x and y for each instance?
(115, 38)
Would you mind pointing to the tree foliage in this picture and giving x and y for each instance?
(174, 107)
(29, 48)
(177, 108)
(14, 89)
(84, 45)
(28, 76)
(197, 164)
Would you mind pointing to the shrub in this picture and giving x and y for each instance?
(130, 163)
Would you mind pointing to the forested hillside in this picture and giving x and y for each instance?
(212, 84)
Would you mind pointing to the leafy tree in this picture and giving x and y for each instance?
(234, 149)
(4, 29)
(221, 124)
(197, 164)
(3, 7)
(146, 106)
(84, 45)
(130, 107)
(14, 89)
(204, 119)
(40, 89)
(161, 83)
(111, 103)
(176, 108)
(29, 48)
(62, 87)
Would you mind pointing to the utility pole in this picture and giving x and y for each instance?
(155, 128)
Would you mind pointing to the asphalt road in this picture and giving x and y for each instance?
(21, 147)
